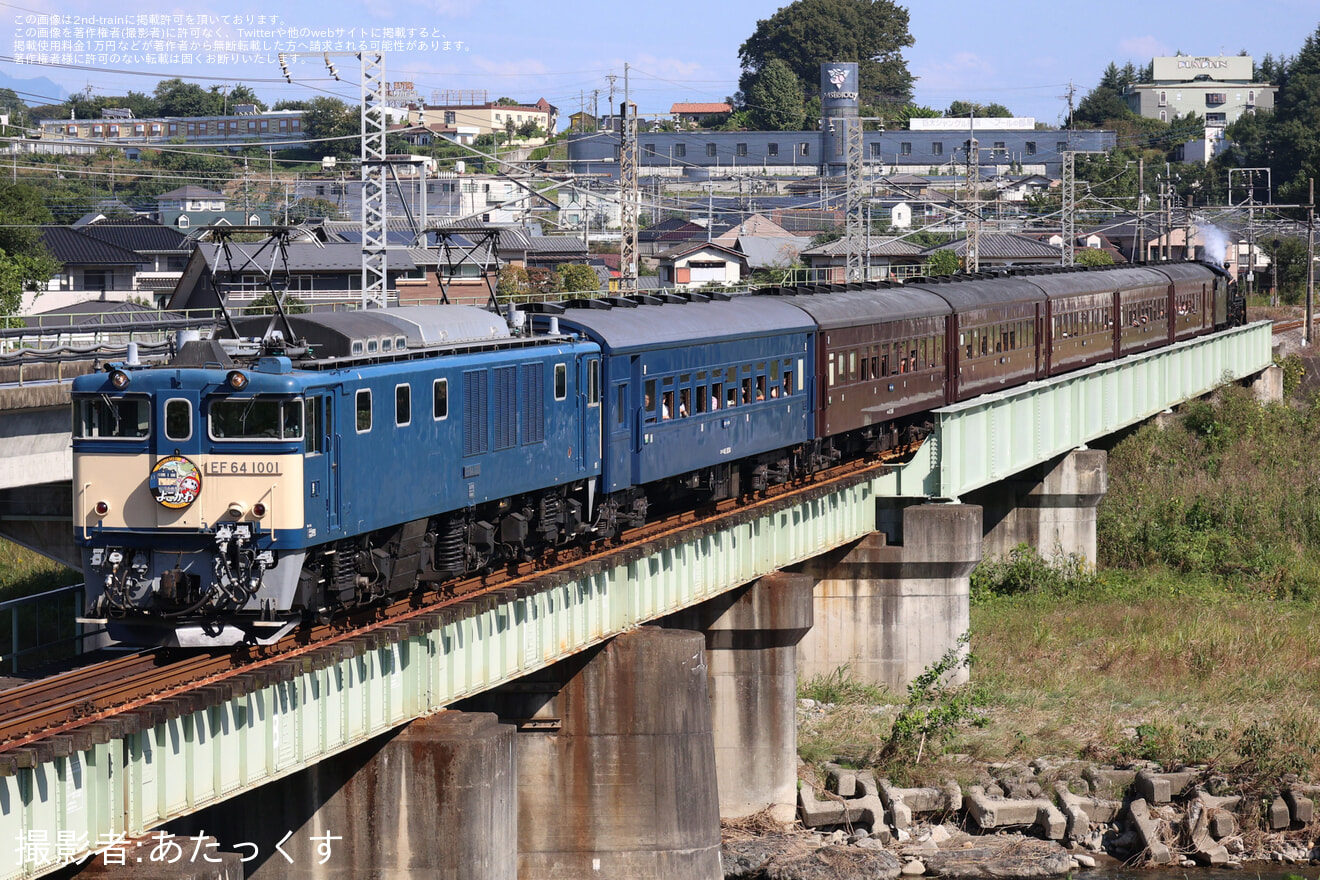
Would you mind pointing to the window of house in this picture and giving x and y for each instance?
(1164, 99)
(680, 150)
(772, 150)
(937, 148)
(1164, 116)
(1000, 147)
(804, 149)
(740, 149)
(648, 149)
(905, 148)
(875, 150)
(1061, 146)
(1214, 99)
(710, 149)
(94, 279)
(1031, 148)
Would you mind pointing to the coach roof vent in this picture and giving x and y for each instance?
(602, 304)
(695, 297)
(543, 308)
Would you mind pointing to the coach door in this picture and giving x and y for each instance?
(321, 464)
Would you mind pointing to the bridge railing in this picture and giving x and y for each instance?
(41, 628)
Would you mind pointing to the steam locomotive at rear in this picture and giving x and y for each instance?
(333, 461)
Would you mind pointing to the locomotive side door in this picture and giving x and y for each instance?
(321, 463)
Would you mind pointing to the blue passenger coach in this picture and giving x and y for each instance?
(695, 384)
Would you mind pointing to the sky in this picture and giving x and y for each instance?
(1020, 53)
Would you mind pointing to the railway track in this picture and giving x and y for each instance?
(63, 703)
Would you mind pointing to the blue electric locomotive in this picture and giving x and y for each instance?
(226, 496)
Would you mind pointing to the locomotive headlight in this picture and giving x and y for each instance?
(236, 380)
(119, 379)
(236, 509)
(102, 508)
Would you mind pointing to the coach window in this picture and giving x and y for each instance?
(649, 403)
(372, 346)
(716, 395)
(561, 381)
(440, 399)
(178, 420)
(402, 405)
(621, 404)
(363, 402)
(593, 382)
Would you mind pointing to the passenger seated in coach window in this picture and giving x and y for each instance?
(716, 393)
(667, 405)
(760, 387)
(650, 409)
(683, 403)
(788, 383)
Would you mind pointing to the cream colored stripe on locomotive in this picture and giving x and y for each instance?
(121, 481)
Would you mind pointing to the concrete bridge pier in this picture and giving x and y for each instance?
(616, 765)
(1050, 507)
(435, 799)
(893, 603)
(751, 651)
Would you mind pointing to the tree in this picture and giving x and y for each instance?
(774, 99)
(24, 262)
(240, 94)
(1289, 256)
(329, 118)
(174, 97)
(306, 208)
(1089, 256)
(806, 33)
(575, 277)
(943, 262)
(265, 305)
(507, 102)
(967, 108)
(530, 129)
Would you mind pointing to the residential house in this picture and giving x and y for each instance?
(191, 206)
(1017, 189)
(91, 269)
(886, 258)
(699, 113)
(1093, 239)
(164, 249)
(1005, 249)
(697, 264)
(487, 117)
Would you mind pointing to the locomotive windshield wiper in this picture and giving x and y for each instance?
(114, 411)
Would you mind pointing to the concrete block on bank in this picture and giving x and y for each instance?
(1050, 821)
(1205, 851)
(1160, 788)
(840, 781)
(1148, 832)
(1299, 806)
(991, 813)
(1108, 781)
(1280, 817)
(900, 815)
(817, 812)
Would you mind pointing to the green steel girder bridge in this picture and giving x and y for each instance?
(80, 790)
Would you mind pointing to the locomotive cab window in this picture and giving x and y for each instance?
(178, 419)
(440, 399)
(106, 418)
(314, 424)
(256, 418)
(363, 408)
(402, 405)
(561, 381)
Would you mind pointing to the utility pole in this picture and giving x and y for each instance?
(630, 197)
(1188, 253)
(1141, 211)
(1310, 260)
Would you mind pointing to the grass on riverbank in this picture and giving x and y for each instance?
(24, 573)
(1198, 641)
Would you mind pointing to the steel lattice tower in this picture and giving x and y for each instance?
(1069, 207)
(855, 216)
(373, 180)
(972, 254)
(629, 196)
